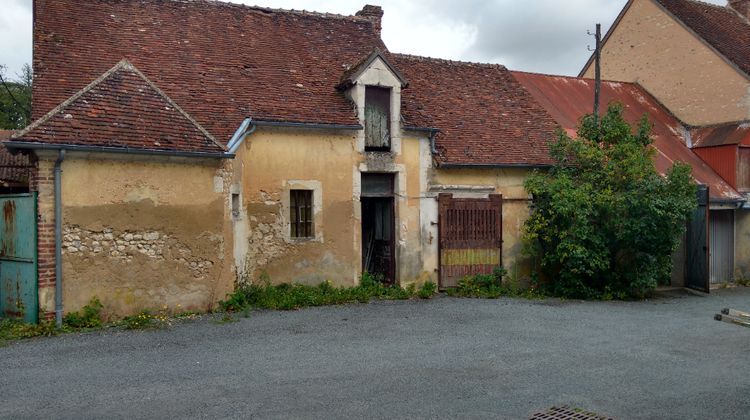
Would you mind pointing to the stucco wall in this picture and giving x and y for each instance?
(145, 233)
(653, 49)
(272, 161)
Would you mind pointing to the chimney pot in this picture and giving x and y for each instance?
(375, 15)
(741, 6)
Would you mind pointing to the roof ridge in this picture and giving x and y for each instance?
(718, 6)
(123, 64)
(226, 3)
(534, 73)
(447, 61)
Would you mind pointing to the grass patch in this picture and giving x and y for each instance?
(295, 296)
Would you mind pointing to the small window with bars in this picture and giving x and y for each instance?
(301, 213)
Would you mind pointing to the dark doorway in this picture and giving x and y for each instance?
(378, 227)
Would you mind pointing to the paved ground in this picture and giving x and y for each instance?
(445, 358)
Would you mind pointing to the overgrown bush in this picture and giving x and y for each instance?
(604, 222)
(88, 317)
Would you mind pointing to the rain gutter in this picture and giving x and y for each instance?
(120, 150)
(58, 240)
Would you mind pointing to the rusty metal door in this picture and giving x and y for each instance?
(696, 270)
(470, 237)
(18, 258)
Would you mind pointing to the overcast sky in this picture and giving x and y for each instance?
(546, 36)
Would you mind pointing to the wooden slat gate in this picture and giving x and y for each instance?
(470, 237)
(18, 257)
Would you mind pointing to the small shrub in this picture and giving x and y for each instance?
(427, 290)
(88, 317)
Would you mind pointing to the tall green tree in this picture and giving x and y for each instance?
(15, 99)
(604, 222)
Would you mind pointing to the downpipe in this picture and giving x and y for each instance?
(58, 240)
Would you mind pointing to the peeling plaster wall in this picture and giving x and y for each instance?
(655, 50)
(142, 234)
(274, 161)
(478, 183)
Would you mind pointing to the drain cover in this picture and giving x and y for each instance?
(567, 413)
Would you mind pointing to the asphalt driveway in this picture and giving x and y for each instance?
(445, 358)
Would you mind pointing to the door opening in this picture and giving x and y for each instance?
(378, 227)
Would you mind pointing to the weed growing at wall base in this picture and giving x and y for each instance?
(493, 286)
(295, 296)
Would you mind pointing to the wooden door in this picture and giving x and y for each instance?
(470, 237)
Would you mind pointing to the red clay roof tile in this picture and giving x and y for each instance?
(13, 167)
(484, 115)
(121, 109)
(221, 62)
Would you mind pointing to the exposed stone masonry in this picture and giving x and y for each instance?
(124, 246)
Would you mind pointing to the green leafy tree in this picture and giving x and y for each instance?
(15, 99)
(604, 222)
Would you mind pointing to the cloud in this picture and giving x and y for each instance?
(15, 31)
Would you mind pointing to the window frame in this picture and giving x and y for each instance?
(378, 96)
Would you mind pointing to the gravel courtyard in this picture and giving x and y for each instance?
(444, 358)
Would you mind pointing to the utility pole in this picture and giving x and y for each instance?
(598, 81)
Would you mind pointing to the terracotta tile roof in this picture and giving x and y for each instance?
(721, 135)
(221, 62)
(484, 115)
(721, 27)
(569, 98)
(13, 167)
(123, 109)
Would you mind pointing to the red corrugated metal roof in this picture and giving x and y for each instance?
(569, 98)
(721, 135)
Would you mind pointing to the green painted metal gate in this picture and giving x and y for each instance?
(18, 258)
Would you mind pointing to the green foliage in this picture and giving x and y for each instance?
(427, 290)
(15, 99)
(88, 317)
(294, 296)
(605, 223)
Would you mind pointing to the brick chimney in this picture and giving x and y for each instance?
(741, 6)
(375, 15)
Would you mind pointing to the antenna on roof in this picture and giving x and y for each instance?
(597, 60)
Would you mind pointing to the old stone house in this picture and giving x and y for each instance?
(694, 58)
(197, 145)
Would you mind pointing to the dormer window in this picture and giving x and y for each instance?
(377, 119)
